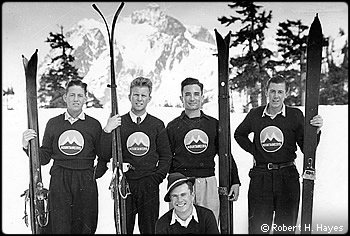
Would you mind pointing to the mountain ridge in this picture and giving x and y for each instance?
(148, 43)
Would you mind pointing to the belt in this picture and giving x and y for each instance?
(274, 166)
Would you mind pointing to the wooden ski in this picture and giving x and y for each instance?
(118, 186)
(225, 157)
(314, 58)
(37, 195)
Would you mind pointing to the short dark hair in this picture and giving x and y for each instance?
(190, 81)
(141, 82)
(190, 186)
(76, 82)
(278, 79)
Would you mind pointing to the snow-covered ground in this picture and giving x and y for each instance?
(331, 186)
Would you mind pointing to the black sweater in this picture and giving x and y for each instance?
(144, 146)
(275, 140)
(73, 146)
(194, 145)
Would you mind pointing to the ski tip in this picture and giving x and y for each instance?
(316, 18)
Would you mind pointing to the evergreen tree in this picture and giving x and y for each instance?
(292, 43)
(7, 93)
(52, 83)
(334, 86)
(250, 68)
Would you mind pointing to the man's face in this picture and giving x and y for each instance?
(276, 94)
(182, 198)
(139, 98)
(75, 99)
(192, 97)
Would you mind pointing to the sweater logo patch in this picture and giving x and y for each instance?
(271, 139)
(71, 142)
(196, 141)
(138, 143)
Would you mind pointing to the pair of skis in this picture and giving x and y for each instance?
(118, 185)
(36, 195)
(313, 65)
(225, 158)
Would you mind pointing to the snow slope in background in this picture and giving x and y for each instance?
(331, 185)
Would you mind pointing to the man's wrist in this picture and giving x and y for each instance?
(107, 131)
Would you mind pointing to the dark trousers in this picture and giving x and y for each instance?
(273, 196)
(144, 201)
(73, 202)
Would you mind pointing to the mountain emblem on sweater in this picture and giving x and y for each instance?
(138, 143)
(271, 139)
(196, 141)
(71, 142)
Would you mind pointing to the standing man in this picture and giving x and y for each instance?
(185, 217)
(72, 140)
(145, 147)
(274, 179)
(194, 144)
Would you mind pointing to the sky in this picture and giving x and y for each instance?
(26, 25)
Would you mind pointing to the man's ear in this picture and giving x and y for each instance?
(65, 98)
(180, 98)
(288, 93)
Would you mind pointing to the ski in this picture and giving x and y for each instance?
(314, 58)
(37, 195)
(225, 157)
(118, 185)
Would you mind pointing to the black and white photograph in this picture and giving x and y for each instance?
(167, 117)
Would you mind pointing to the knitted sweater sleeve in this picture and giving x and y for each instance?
(163, 149)
(300, 131)
(106, 146)
(45, 151)
(242, 132)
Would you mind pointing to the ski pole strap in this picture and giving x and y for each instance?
(26, 199)
(274, 166)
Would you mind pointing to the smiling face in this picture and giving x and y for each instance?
(139, 98)
(192, 97)
(75, 98)
(182, 200)
(276, 93)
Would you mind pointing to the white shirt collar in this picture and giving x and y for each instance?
(71, 119)
(282, 111)
(134, 117)
(186, 222)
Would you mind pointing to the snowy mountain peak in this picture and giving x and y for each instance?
(148, 43)
(157, 18)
